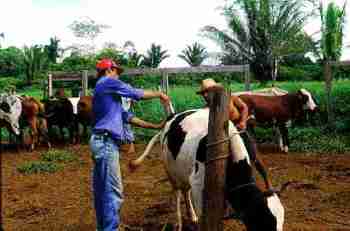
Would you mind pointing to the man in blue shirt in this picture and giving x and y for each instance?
(107, 135)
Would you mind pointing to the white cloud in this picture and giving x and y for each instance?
(172, 24)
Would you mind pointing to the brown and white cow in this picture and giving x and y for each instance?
(279, 109)
(183, 143)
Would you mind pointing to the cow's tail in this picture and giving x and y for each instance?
(133, 164)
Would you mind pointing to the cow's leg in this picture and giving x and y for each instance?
(189, 206)
(285, 140)
(278, 136)
(44, 132)
(61, 133)
(178, 210)
(34, 132)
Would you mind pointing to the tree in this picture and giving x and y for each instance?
(134, 59)
(34, 58)
(194, 55)
(114, 54)
(261, 32)
(53, 50)
(88, 30)
(155, 55)
(11, 61)
(332, 27)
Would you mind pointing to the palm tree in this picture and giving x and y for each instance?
(332, 27)
(194, 55)
(134, 59)
(34, 58)
(53, 50)
(155, 55)
(261, 32)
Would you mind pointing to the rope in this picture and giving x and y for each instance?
(219, 142)
(225, 139)
(218, 158)
(242, 186)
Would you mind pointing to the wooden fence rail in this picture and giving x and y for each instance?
(84, 76)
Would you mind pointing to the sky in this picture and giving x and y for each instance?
(172, 24)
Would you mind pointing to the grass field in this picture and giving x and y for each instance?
(316, 138)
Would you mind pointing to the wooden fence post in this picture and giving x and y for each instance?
(165, 82)
(328, 88)
(85, 83)
(217, 153)
(247, 77)
(49, 86)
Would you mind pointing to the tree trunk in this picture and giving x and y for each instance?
(328, 88)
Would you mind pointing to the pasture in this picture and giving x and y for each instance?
(317, 197)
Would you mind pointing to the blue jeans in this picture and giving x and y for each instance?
(107, 182)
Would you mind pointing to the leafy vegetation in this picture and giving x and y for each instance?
(58, 155)
(261, 32)
(33, 167)
(50, 162)
(194, 55)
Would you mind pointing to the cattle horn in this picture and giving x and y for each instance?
(133, 164)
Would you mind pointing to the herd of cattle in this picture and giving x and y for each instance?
(183, 147)
(19, 112)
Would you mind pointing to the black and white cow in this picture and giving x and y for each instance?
(183, 143)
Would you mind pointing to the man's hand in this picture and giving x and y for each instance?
(241, 125)
(164, 99)
(160, 125)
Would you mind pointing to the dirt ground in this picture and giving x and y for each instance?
(317, 198)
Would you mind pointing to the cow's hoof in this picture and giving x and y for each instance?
(285, 149)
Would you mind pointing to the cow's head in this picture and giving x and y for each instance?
(258, 210)
(307, 99)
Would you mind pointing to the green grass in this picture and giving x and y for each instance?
(184, 98)
(310, 139)
(33, 167)
(58, 155)
(51, 161)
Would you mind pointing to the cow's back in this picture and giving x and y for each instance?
(179, 145)
(267, 108)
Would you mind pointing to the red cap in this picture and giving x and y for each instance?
(105, 64)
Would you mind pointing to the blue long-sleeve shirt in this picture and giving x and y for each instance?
(109, 114)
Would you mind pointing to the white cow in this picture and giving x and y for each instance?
(183, 144)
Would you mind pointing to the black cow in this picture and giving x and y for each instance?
(59, 112)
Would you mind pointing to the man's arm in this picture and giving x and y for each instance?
(147, 94)
(144, 124)
(243, 109)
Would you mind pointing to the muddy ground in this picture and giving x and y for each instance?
(317, 198)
